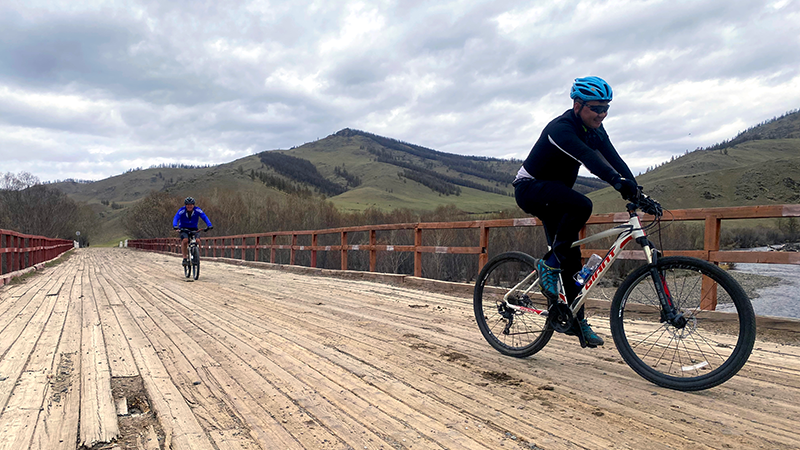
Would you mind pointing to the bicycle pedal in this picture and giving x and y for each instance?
(577, 330)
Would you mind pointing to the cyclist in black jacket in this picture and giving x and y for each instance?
(543, 186)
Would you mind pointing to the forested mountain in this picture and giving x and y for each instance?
(358, 171)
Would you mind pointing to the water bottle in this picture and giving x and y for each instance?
(586, 271)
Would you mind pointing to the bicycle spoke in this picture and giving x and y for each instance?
(507, 282)
(688, 353)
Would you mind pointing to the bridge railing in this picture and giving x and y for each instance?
(261, 242)
(20, 251)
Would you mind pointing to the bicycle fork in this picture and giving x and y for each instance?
(669, 312)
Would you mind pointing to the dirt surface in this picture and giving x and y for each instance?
(134, 425)
(248, 358)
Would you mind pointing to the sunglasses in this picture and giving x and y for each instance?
(597, 109)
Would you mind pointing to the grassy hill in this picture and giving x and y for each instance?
(751, 169)
(357, 170)
(354, 169)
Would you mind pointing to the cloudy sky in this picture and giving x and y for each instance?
(89, 89)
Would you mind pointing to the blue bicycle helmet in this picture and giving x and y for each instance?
(591, 88)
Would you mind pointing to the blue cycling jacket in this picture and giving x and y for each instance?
(184, 220)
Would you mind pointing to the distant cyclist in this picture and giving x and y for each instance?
(188, 217)
(543, 186)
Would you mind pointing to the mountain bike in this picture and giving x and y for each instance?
(663, 319)
(193, 269)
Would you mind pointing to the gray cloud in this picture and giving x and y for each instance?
(89, 89)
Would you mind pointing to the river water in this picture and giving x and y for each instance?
(782, 300)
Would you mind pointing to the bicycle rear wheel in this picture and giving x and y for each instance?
(195, 263)
(708, 350)
(517, 333)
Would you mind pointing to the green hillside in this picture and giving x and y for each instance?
(749, 170)
(354, 169)
(357, 170)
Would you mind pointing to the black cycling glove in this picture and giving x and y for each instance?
(627, 188)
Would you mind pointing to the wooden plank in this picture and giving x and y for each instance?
(98, 418)
(326, 358)
(256, 411)
(14, 319)
(15, 359)
(379, 334)
(171, 408)
(428, 411)
(118, 352)
(20, 417)
(57, 427)
(263, 427)
(150, 440)
(183, 364)
(334, 396)
(17, 423)
(277, 396)
(234, 440)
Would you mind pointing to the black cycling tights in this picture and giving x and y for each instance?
(563, 212)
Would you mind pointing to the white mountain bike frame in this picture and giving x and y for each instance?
(627, 232)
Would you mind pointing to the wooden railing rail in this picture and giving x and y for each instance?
(217, 245)
(19, 251)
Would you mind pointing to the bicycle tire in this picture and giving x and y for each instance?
(195, 263)
(710, 349)
(187, 269)
(529, 332)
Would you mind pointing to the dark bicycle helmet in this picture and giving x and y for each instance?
(591, 88)
(188, 201)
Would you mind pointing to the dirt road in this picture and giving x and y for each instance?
(248, 358)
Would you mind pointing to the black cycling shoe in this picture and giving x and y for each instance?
(185, 261)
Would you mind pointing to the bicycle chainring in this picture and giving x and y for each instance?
(560, 317)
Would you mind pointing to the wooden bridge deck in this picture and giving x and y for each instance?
(248, 358)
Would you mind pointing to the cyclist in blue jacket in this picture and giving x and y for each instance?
(188, 217)
(543, 186)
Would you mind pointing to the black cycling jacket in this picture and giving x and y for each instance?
(565, 144)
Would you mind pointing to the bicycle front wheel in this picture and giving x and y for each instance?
(187, 269)
(709, 349)
(195, 263)
(510, 280)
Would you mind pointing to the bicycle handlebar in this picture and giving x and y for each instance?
(189, 230)
(646, 204)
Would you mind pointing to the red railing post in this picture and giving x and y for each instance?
(256, 253)
(708, 300)
(483, 258)
(17, 254)
(417, 252)
(272, 248)
(5, 258)
(292, 250)
(314, 250)
(373, 254)
(344, 250)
